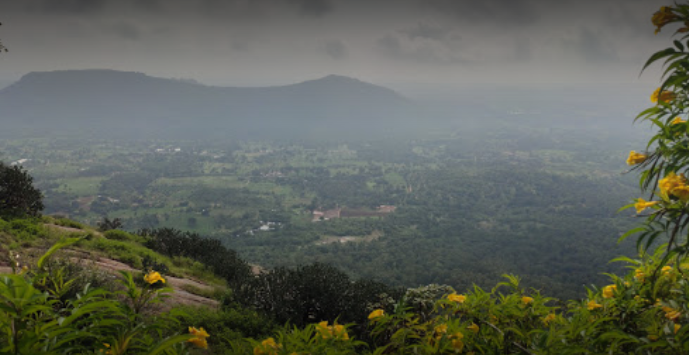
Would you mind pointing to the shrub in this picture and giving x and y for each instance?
(115, 234)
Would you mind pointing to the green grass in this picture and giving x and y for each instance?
(81, 186)
(208, 181)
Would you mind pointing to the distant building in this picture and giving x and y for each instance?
(386, 208)
(19, 162)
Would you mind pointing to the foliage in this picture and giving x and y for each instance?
(229, 324)
(109, 224)
(224, 262)
(663, 167)
(313, 292)
(38, 316)
(643, 312)
(18, 196)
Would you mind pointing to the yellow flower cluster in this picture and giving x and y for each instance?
(106, 352)
(336, 331)
(636, 158)
(665, 96)
(592, 305)
(375, 315)
(526, 300)
(153, 277)
(456, 341)
(267, 347)
(454, 297)
(675, 185)
(677, 120)
(671, 313)
(639, 275)
(199, 338)
(663, 17)
(609, 291)
(440, 331)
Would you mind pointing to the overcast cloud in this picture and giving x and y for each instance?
(260, 42)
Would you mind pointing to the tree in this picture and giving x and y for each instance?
(108, 224)
(18, 196)
(2, 47)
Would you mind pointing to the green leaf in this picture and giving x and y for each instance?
(169, 343)
(658, 55)
(630, 232)
(679, 45)
(59, 245)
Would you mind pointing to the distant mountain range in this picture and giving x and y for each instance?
(108, 103)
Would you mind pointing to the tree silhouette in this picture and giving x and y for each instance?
(18, 196)
(2, 46)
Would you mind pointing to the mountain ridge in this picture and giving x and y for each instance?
(102, 100)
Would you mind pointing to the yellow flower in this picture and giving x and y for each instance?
(200, 336)
(324, 329)
(636, 158)
(549, 318)
(439, 331)
(609, 291)
(336, 331)
(677, 327)
(671, 313)
(378, 313)
(457, 342)
(454, 297)
(642, 204)
(639, 275)
(666, 269)
(339, 332)
(665, 96)
(677, 120)
(473, 327)
(527, 300)
(153, 277)
(670, 182)
(592, 305)
(663, 17)
(682, 192)
(109, 352)
(267, 347)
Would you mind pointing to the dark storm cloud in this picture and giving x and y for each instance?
(506, 12)
(315, 8)
(68, 6)
(424, 30)
(290, 39)
(148, 5)
(336, 49)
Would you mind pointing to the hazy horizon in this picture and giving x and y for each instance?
(277, 42)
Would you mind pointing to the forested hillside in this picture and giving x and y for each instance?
(476, 201)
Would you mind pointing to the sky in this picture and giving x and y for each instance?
(392, 42)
